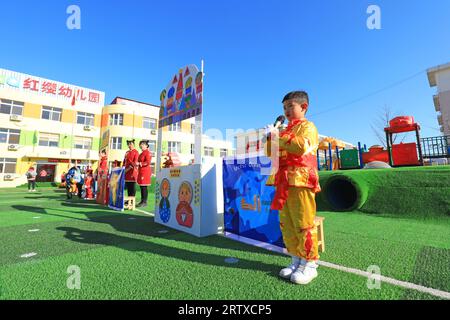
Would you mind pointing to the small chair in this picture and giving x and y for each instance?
(320, 236)
(130, 203)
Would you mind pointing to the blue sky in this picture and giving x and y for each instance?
(254, 53)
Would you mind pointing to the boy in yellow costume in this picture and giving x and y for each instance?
(297, 181)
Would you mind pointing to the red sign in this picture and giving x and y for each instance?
(58, 160)
(52, 88)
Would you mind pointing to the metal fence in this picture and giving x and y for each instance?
(436, 147)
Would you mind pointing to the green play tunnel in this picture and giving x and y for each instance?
(345, 193)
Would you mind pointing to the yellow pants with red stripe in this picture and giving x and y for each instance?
(297, 224)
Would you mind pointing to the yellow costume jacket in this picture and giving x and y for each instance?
(297, 165)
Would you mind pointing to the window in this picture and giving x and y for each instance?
(192, 128)
(223, 153)
(209, 151)
(48, 139)
(82, 143)
(8, 165)
(152, 145)
(174, 146)
(116, 143)
(11, 107)
(9, 136)
(149, 123)
(86, 119)
(175, 127)
(192, 148)
(116, 119)
(51, 113)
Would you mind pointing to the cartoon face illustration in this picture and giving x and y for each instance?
(165, 188)
(185, 192)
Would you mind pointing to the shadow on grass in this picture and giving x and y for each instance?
(138, 245)
(143, 226)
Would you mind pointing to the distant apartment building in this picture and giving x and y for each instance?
(439, 77)
(252, 143)
(125, 119)
(180, 138)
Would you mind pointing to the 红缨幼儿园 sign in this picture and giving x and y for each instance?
(49, 88)
(183, 97)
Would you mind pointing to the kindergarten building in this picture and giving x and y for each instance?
(49, 124)
(45, 123)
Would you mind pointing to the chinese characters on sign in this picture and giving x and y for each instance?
(50, 88)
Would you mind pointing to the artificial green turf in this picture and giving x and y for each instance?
(409, 191)
(123, 258)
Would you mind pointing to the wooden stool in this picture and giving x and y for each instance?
(130, 203)
(320, 238)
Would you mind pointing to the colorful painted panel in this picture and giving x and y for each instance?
(116, 189)
(183, 97)
(177, 195)
(247, 201)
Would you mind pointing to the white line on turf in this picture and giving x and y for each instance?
(145, 212)
(33, 230)
(395, 282)
(36, 217)
(28, 255)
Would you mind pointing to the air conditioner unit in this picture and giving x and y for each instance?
(153, 131)
(88, 128)
(8, 177)
(13, 147)
(15, 117)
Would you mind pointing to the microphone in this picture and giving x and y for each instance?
(279, 121)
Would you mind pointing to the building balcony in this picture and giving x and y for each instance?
(439, 118)
(437, 105)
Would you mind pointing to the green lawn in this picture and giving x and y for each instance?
(124, 255)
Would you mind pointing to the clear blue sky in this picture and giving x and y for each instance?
(254, 52)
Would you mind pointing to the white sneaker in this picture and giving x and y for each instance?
(34, 190)
(306, 274)
(287, 272)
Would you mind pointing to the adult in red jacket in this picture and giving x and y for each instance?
(131, 169)
(145, 172)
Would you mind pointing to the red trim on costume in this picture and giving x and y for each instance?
(308, 243)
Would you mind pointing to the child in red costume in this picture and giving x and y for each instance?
(297, 182)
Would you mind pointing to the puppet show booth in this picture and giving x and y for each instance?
(188, 198)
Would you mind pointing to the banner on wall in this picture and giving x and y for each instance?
(183, 97)
(247, 201)
(102, 189)
(116, 189)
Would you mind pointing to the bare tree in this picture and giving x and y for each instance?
(382, 121)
